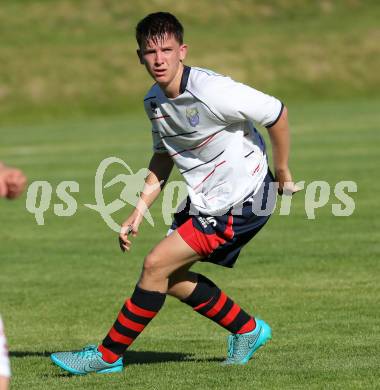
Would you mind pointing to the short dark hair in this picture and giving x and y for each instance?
(156, 26)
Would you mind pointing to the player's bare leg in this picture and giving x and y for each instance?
(168, 256)
(247, 333)
(182, 282)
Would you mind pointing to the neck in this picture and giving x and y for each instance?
(172, 89)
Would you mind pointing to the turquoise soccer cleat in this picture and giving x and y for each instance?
(89, 359)
(241, 347)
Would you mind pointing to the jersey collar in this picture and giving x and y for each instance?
(184, 78)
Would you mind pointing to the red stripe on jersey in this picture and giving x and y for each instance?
(256, 169)
(159, 117)
(218, 305)
(203, 143)
(213, 188)
(129, 323)
(119, 338)
(211, 173)
(139, 311)
(231, 315)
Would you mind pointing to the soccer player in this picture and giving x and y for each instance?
(203, 123)
(12, 184)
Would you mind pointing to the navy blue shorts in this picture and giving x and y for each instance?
(219, 239)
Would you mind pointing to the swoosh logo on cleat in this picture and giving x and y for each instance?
(90, 368)
(252, 343)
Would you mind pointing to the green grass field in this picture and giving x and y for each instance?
(70, 96)
(70, 57)
(316, 281)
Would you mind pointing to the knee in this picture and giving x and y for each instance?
(153, 265)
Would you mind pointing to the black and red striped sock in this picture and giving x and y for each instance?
(208, 300)
(134, 316)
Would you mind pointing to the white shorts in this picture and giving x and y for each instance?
(4, 359)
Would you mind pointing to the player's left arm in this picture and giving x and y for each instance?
(279, 134)
(245, 103)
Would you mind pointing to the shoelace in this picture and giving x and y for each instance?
(87, 352)
(232, 340)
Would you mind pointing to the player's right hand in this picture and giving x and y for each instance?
(129, 226)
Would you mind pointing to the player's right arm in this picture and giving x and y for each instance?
(160, 167)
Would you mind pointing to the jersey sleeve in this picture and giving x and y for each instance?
(158, 146)
(234, 102)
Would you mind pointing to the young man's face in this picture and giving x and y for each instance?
(163, 58)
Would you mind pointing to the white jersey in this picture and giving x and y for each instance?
(4, 360)
(209, 132)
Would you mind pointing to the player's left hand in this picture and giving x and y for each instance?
(285, 182)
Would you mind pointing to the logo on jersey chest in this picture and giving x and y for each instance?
(192, 116)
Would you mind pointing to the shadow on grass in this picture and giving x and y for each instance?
(149, 357)
(22, 354)
(130, 358)
(133, 357)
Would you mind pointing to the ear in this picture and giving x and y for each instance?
(139, 54)
(182, 52)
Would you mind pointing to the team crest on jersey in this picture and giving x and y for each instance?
(192, 116)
